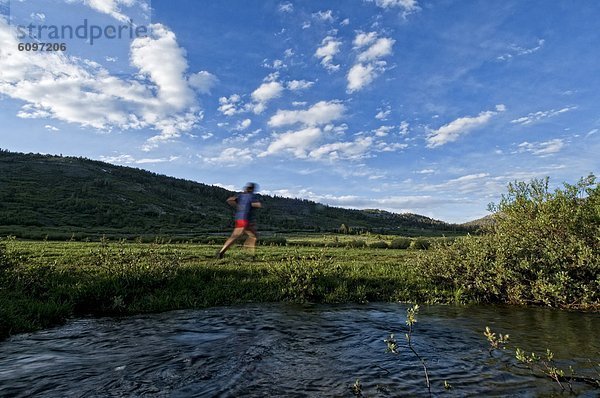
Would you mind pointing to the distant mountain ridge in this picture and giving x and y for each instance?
(68, 195)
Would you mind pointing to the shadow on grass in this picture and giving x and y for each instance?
(34, 298)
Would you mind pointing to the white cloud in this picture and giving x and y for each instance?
(51, 128)
(241, 138)
(265, 93)
(111, 7)
(288, 53)
(129, 159)
(203, 81)
(383, 131)
(39, 16)
(149, 54)
(276, 64)
(425, 171)
(368, 64)
(229, 106)
(518, 51)
(542, 148)
(228, 187)
(398, 204)
(322, 112)
(306, 142)
(243, 125)
(383, 146)
(360, 76)
(325, 16)
(286, 7)
(408, 6)
(536, 116)
(343, 150)
(381, 48)
(55, 85)
(330, 46)
(383, 114)
(453, 130)
(297, 142)
(364, 39)
(468, 177)
(404, 128)
(299, 85)
(345, 22)
(477, 182)
(231, 157)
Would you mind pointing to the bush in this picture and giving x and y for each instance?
(543, 248)
(298, 277)
(273, 241)
(8, 260)
(379, 245)
(5, 262)
(356, 243)
(420, 244)
(400, 243)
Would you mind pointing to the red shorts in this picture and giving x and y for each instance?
(242, 223)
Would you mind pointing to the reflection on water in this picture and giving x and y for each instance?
(285, 350)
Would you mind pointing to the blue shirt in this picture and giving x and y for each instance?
(244, 206)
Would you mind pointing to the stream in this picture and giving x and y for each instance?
(285, 350)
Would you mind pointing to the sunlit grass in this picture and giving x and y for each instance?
(51, 281)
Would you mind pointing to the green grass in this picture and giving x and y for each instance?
(44, 283)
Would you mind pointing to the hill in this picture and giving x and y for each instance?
(480, 222)
(62, 197)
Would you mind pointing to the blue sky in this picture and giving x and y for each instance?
(429, 107)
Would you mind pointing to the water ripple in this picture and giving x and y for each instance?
(293, 351)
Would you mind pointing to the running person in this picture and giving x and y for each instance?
(245, 203)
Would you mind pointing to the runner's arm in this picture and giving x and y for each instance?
(232, 201)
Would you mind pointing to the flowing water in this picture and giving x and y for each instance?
(296, 351)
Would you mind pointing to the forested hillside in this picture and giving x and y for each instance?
(55, 196)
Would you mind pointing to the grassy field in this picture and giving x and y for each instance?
(44, 283)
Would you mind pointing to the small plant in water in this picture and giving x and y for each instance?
(544, 364)
(495, 342)
(357, 388)
(392, 344)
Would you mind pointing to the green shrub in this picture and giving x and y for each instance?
(8, 260)
(379, 245)
(543, 248)
(273, 241)
(5, 261)
(356, 243)
(298, 277)
(420, 244)
(400, 243)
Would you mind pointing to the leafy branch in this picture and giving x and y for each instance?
(392, 344)
(542, 364)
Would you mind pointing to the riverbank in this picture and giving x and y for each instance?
(44, 283)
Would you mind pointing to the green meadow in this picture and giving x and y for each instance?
(542, 248)
(44, 283)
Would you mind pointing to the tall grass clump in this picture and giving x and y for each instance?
(400, 243)
(542, 248)
(299, 278)
(119, 274)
